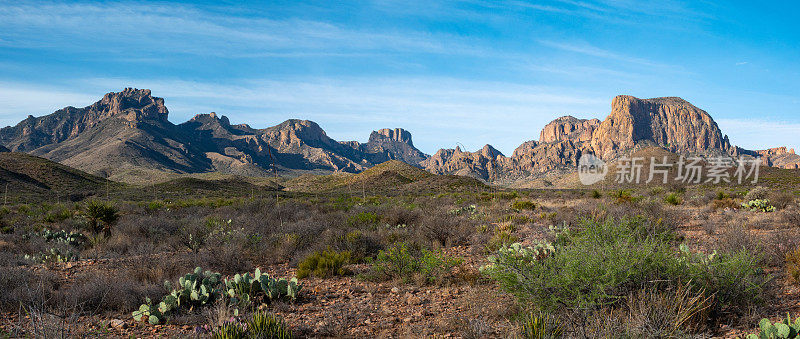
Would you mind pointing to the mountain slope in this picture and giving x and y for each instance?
(126, 135)
(24, 174)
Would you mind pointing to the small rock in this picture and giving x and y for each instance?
(117, 323)
(395, 290)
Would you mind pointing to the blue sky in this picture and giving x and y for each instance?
(451, 72)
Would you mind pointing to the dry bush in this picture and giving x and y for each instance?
(791, 216)
(667, 314)
(758, 192)
(102, 292)
(781, 200)
(24, 287)
(736, 237)
(793, 264)
(439, 227)
(727, 203)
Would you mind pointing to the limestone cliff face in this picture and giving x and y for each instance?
(387, 134)
(569, 128)
(779, 157)
(391, 144)
(672, 123)
(131, 106)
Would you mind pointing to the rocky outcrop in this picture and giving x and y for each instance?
(780, 157)
(671, 123)
(387, 134)
(130, 106)
(486, 164)
(569, 128)
(391, 144)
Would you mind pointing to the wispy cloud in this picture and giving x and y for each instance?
(586, 48)
(155, 29)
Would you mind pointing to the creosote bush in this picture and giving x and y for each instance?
(412, 264)
(323, 264)
(600, 262)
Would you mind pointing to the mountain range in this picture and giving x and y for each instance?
(127, 134)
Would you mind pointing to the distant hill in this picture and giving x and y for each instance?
(389, 177)
(28, 175)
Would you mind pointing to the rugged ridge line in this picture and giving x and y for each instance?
(127, 133)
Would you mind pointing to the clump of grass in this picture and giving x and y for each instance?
(258, 325)
(540, 325)
(324, 264)
(523, 205)
(793, 264)
(673, 199)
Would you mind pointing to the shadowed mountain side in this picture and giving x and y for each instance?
(29, 176)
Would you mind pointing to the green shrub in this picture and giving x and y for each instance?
(58, 216)
(624, 196)
(503, 236)
(673, 199)
(259, 325)
(363, 219)
(324, 264)
(401, 261)
(267, 325)
(596, 194)
(540, 326)
(603, 261)
(523, 205)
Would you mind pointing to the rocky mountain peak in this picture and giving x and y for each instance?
(488, 151)
(568, 128)
(210, 118)
(670, 122)
(397, 134)
(132, 104)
